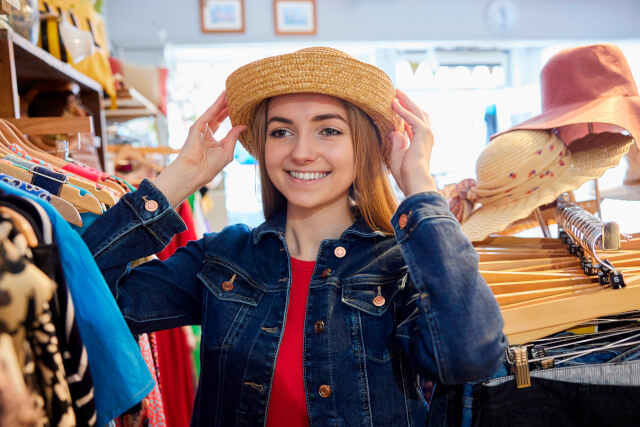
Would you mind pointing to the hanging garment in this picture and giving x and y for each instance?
(26, 316)
(119, 373)
(75, 359)
(174, 354)
(576, 396)
(16, 407)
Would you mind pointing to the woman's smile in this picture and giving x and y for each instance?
(308, 177)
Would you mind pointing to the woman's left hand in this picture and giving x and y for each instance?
(410, 158)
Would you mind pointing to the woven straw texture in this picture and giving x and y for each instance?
(313, 70)
(587, 159)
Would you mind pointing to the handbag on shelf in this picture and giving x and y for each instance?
(85, 32)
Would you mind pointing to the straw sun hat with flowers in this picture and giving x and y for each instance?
(313, 70)
(523, 169)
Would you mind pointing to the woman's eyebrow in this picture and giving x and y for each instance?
(317, 118)
(279, 119)
(322, 117)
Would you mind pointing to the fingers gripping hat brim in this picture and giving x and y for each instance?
(314, 70)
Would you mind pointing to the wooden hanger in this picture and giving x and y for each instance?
(13, 135)
(8, 137)
(99, 192)
(541, 318)
(22, 224)
(541, 288)
(126, 152)
(66, 210)
(72, 194)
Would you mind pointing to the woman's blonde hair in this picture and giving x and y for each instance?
(371, 190)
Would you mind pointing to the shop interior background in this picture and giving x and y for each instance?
(473, 70)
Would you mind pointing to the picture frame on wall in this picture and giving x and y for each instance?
(294, 17)
(222, 16)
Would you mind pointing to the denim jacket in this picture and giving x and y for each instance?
(436, 318)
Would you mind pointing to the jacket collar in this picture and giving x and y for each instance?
(276, 226)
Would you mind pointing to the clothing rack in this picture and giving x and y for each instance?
(584, 234)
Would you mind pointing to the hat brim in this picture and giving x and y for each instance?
(621, 111)
(314, 70)
(585, 165)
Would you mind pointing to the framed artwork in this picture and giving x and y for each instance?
(294, 17)
(222, 16)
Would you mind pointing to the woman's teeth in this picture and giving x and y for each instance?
(308, 176)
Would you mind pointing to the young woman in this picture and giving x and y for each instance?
(328, 312)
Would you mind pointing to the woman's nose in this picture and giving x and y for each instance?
(304, 149)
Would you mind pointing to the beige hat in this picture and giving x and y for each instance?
(523, 169)
(313, 70)
(630, 188)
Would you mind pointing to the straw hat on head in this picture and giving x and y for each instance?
(523, 169)
(313, 70)
(588, 89)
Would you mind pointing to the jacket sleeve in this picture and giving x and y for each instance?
(155, 295)
(451, 325)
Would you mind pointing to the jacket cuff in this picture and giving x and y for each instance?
(144, 209)
(417, 208)
(153, 211)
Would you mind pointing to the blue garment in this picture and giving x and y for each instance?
(438, 319)
(120, 376)
(25, 186)
(88, 218)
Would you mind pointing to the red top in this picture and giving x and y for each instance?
(287, 401)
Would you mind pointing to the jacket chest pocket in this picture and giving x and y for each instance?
(231, 300)
(370, 301)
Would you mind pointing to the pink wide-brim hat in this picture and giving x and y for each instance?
(587, 90)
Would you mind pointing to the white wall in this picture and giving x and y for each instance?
(138, 28)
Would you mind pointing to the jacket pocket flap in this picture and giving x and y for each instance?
(372, 294)
(228, 282)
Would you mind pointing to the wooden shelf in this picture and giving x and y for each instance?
(132, 105)
(23, 64)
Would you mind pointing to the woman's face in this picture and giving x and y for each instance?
(309, 153)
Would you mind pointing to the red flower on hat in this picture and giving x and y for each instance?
(532, 190)
(551, 147)
(561, 162)
(512, 175)
(532, 173)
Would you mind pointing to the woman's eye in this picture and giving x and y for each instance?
(279, 133)
(331, 132)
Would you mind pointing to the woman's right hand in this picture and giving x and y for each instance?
(202, 157)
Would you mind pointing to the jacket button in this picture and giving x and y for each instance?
(150, 205)
(325, 273)
(402, 222)
(379, 301)
(318, 327)
(227, 285)
(324, 391)
(340, 252)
